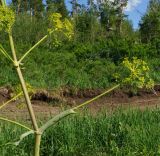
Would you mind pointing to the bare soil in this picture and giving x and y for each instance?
(46, 103)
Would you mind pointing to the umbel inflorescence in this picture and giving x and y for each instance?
(7, 18)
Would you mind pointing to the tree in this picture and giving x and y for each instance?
(150, 23)
(74, 7)
(36, 7)
(57, 6)
(49, 6)
(111, 14)
(17, 5)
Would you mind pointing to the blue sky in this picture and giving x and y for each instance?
(134, 10)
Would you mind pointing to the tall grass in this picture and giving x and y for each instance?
(131, 132)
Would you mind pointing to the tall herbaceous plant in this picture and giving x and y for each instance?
(138, 75)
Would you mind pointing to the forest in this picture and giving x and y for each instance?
(78, 78)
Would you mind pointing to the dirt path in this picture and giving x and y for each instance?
(43, 109)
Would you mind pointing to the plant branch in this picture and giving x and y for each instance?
(11, 100)
(45, 126)
(2, 50)
(19, 141)
(56, 119)
(37, 44)
(16, 123)
(95, 98)
(22, 137)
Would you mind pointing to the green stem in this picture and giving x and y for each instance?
(22, 137)
(3, 105)
(37, 144)
(56, 119)
(16, 123)
(22, 58)
(37, 44)
(25, 91)
(24, 88)
(95, 98)
(2, 50)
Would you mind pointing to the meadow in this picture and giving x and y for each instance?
(122, 132)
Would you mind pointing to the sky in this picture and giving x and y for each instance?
(135, 9)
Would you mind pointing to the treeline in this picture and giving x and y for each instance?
(103, 36)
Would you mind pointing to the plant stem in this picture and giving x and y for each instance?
(16, 123)
(24, 88)
(4, 104)
(2, 50)
(37, 144)
(56, 119)
(32, 48)
(97, 97)
(26, 95)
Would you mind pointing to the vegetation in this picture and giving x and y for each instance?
(96, 49)
(129, 132)
(64, 28)
(93, 46)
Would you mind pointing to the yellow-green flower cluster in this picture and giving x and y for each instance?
(7, 19)
(18, 89)
(60, 28)
(55, 20)
(138, 73)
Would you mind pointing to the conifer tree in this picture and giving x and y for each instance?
(150, 23)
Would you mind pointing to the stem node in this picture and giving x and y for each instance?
(38, 132)
(16, 64)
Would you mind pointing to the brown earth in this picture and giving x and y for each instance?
(47, 103)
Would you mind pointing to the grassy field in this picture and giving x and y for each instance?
(124, 132)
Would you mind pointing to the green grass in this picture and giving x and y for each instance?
(67, 68)
(131, 132)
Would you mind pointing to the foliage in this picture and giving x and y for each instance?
(76, 65)
(150, 21)
(124, 132)
(65, 27)
(90, 64)
(155, 69)
(33, 7)
(18, 89)
(37, 131)
(57, 6)
(91, 48)
(138, 74)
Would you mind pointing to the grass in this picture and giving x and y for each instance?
(131, 132)
(60, 69)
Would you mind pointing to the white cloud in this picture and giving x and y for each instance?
(132, 4)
